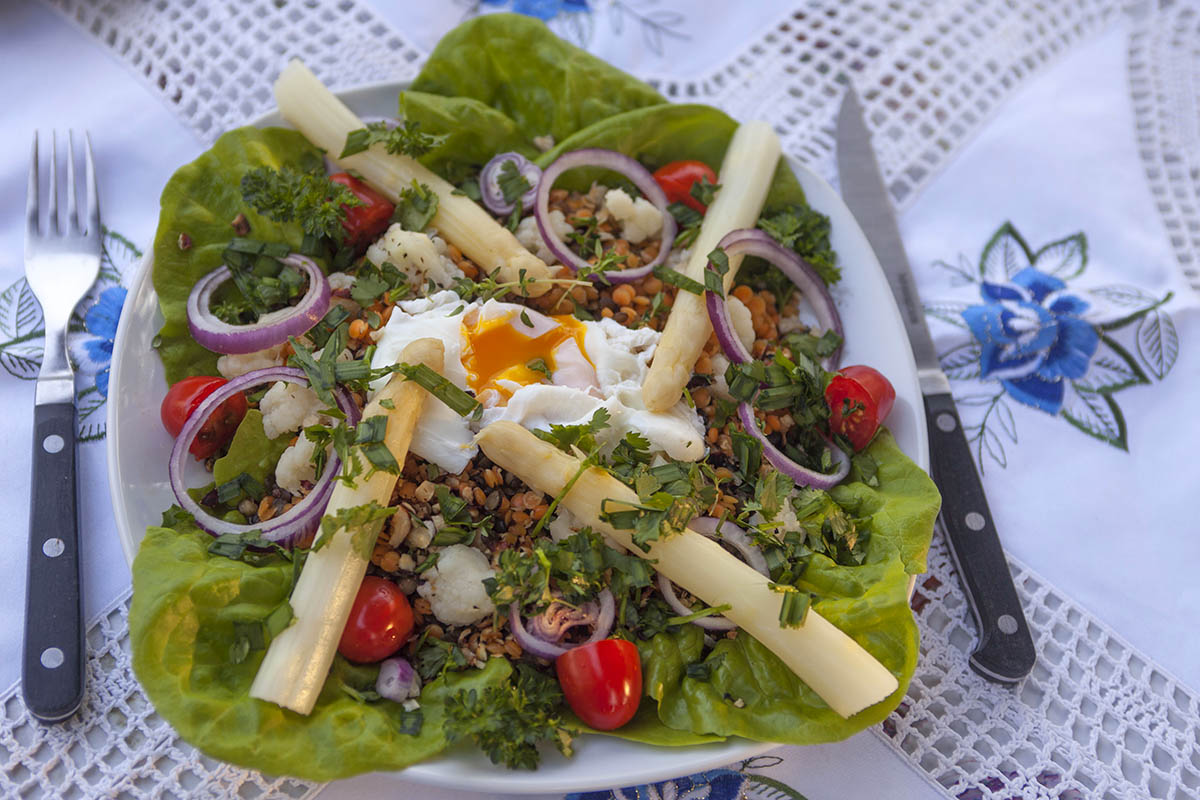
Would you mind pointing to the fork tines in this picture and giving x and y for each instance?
(83, 221)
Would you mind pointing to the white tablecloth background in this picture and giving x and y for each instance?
(1114, 530)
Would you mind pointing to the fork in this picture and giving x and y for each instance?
(61, 264)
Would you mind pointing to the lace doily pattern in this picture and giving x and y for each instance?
(930, 73)
(1095, 719)
(117, 746)
(213, 63)
(1164, 82)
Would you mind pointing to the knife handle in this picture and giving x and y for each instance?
(1005, 653)
(52, 668)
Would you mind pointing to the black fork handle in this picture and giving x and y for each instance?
(52, 669)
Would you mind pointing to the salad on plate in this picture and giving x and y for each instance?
(516, 417)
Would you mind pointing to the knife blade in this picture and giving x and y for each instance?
(1005, 651)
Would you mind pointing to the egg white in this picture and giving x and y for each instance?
(608, 373)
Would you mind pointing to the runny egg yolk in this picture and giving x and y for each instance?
(496, 350)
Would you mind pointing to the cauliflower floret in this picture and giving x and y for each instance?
(289, 407)
(232, 366)
(295, 465)
(677, 259)
(743, 323)
(531, 238)
(639, 218)
(415, 254)
(340, 280)
(455, 587)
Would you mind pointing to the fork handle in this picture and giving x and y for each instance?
(52, 667)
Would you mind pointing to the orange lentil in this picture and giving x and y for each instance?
(743, 292)
(358, 329)
(773, 424)
(641, 301)
(469, 269)
(712, 435)
(480, 497)
(387, 314)
(702, 396)
(652, 285)
(540, 510)
(606, 312)
(390, 561)
(704, 364)
(623, 295)
(630, 314)
(454, 253)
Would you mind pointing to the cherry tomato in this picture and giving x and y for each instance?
(366, 223)
(183, 398)
(676, 181)
(602, 682)
(380, 621)
(859, 399)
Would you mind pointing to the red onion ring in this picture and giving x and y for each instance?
(271, 329)
(737, 538)
(549, 650)
(802, 475)
(299, 520)
(489, 183)
(753, 242)
(616, 162)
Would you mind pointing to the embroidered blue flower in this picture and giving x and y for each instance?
(542, 9)
(101, 321)
(1033, 337)
(715, 784)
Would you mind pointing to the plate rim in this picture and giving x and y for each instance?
(439, 771)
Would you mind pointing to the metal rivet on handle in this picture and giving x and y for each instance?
(1007, 623)
(52, 658)
(945, 422)
(975, 521)
(53, 443)
(53, 548)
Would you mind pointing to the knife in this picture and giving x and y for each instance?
(1005, 652)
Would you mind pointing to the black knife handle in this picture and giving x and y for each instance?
(52, 665)
(1005, 653)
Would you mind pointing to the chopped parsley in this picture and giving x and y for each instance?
(416, 208)
(405, 138)
(798, 228)
(308, 198)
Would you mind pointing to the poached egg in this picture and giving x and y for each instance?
(536, 370)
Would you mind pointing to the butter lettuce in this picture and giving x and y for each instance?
(181, 628)
(200, 202)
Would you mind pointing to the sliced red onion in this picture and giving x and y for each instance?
(293, 524)
(271, 329)
(397, 680)
(753, 242)
(737, 538)
(542, 648)
(616, 162)
(489, 183)
(802, 475)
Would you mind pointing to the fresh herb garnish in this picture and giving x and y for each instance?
(807, 232)
(704, 191)
(428, 379)
(403, 139)
(539, 365)
(306, 197)
(417, 206)
(687, 220)
(363, 523)
(513, 185)
(678, 279)
(508, 722)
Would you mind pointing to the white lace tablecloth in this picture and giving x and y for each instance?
(1047, 147)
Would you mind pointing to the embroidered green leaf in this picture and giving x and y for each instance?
(947, 312)
(1158, 343)
(1123, 295)
(21, 331)
(1112, 368)
(962, 362)
(1005, 254)
(1066, 258)
(775, 790)
(1097, 415)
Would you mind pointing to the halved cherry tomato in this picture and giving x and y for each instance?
(859, 399)
(602, 682)
(381, 620)
(366, 223)
(183, 398)
(676, 181)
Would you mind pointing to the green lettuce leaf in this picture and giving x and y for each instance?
(544, 85)
(181, 627)
(201, 201)
(250, 451)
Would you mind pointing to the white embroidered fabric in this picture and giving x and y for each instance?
(1164, 60)
(1096, 719)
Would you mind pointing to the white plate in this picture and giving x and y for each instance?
(138, 449)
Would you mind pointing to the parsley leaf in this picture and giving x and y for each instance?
(583, 436)
(290, 195)
(417, 206)
(404, 139)
(807, 232)
(704, 191)
(513, 185)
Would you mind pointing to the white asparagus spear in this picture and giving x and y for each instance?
(745, 179)
(837, 668)
(298, 659)
(326, 121)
